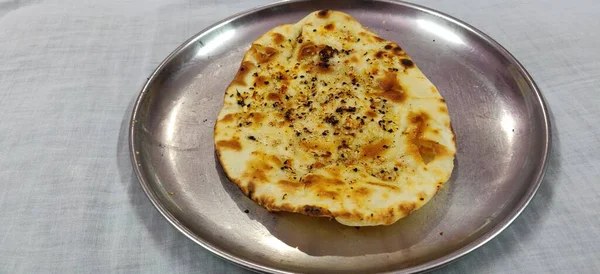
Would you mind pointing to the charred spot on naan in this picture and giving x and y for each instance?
(256, 117)
(380, 54)
(394, 49)
(326, 53)
(244, 70)
(316, 211)
(427, 150)
(407, 208)
(407, 63)
(247, 189)
(387, 186)
(324, 14)
(278, 38)
(375, 149)
(307, 49)
(263, 54)
(232, 144)
(274, 97)
(320, 182)
(391, 88)
(228, 118)
(290, 187)
(378, 39)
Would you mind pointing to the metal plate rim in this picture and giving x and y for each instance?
(431, 265)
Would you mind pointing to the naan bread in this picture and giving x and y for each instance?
(327, 119)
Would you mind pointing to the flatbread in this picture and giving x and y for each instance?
(327, 119)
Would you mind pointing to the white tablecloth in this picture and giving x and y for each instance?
(70, 70)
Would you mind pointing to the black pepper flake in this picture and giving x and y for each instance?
(395, 169)
(266, 82)
(247, 211)
(301, 76)
(332, 120)
(355, 169)
(288, 114)
(252, 138)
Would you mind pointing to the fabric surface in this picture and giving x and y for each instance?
(70, 70)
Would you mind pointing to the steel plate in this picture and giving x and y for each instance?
(498, 114)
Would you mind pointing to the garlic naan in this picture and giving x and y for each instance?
(327, 119)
